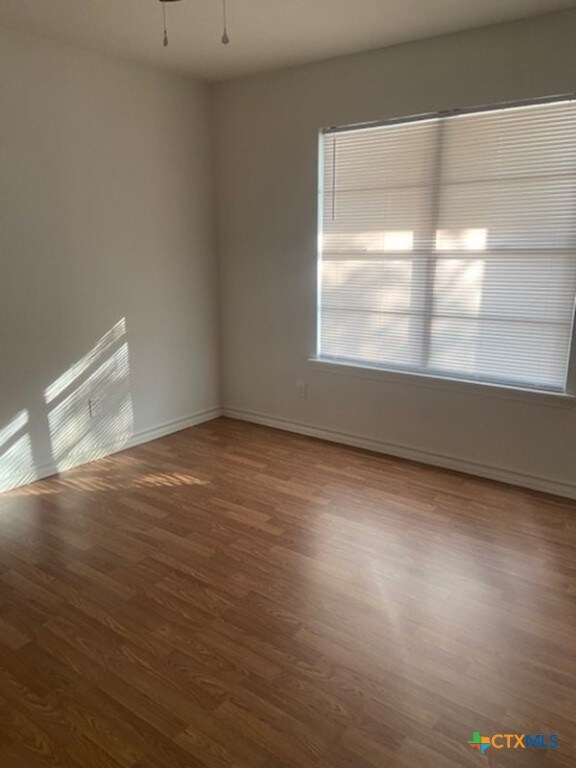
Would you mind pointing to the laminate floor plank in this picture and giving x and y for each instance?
(234, 596)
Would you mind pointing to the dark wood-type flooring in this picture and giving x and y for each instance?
(237, 596)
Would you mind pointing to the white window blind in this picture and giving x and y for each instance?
(448, 245)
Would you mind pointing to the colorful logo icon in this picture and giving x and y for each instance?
(513, 741)
(480, 742)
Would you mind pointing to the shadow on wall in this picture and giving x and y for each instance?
(88, 415)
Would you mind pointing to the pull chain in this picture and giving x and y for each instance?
(225, 38)
(165, 27)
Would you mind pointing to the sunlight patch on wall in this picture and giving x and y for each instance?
(76, 370)
(16, 458)
(91, 414)
(87, 415)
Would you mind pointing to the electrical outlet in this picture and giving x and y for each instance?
(93, 407)
(302, 388)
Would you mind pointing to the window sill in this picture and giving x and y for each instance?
(473, 388)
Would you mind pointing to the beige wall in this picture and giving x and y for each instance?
(267, 132)
(108, 306)
(107, 269)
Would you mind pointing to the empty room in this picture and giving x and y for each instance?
(287, 383)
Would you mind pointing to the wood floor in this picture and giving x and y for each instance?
(237, 596)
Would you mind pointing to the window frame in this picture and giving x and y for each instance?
(430, 378)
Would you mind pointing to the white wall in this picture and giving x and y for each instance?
(106, 222)
(267, 170)
(107, 275)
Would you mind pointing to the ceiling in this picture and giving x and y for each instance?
(265, 34)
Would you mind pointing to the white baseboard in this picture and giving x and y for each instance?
(170, 427)
(358, 441)
(425, 457)
(42, 471)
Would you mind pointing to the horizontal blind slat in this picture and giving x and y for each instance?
(450, 245)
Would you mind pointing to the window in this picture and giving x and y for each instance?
(448, 245)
